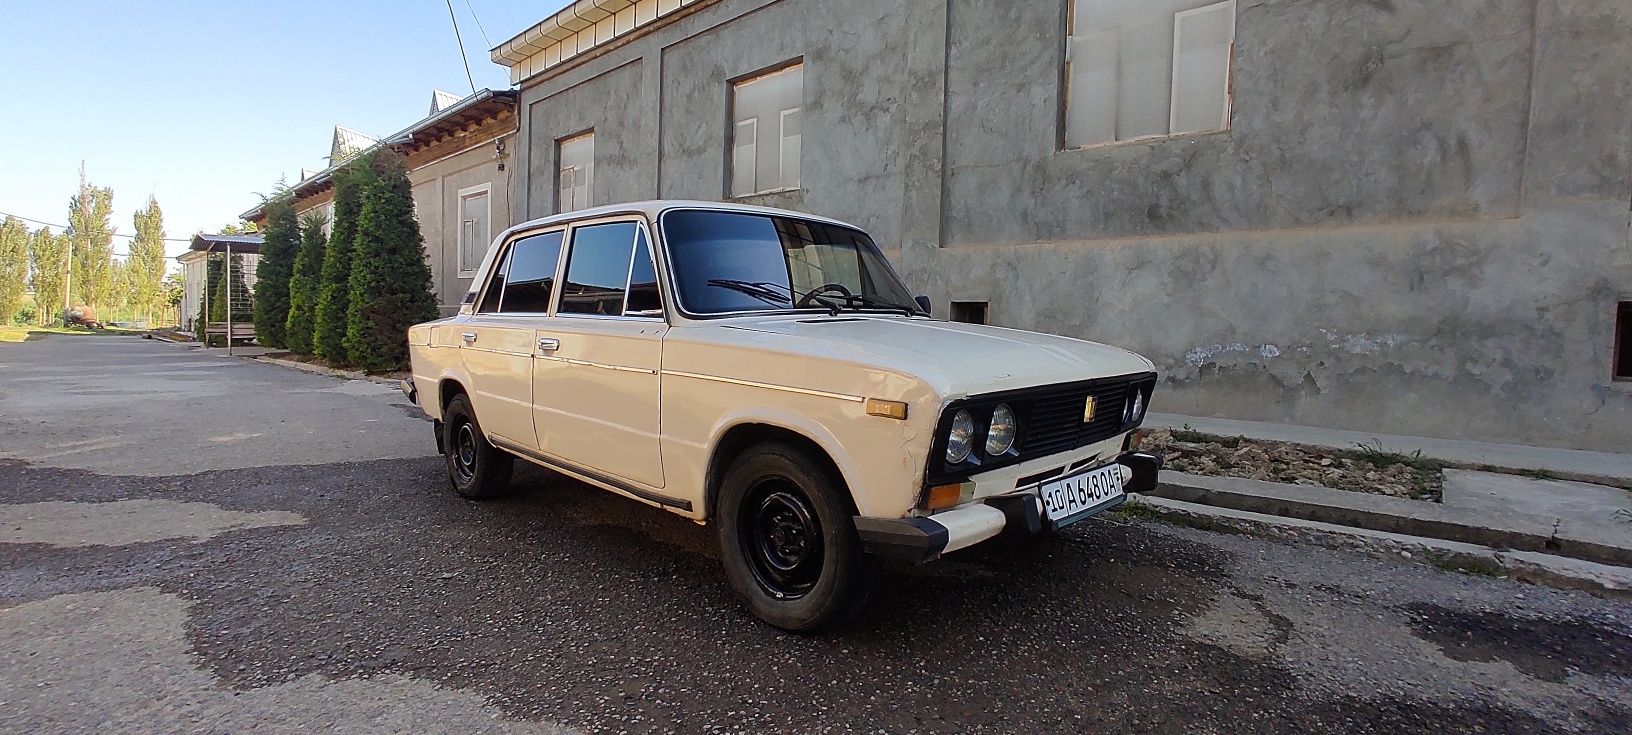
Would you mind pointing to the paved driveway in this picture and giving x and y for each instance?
(199, 543)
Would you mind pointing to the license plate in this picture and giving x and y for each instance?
(1071, 499)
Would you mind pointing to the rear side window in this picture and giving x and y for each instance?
(530, 274)
(644, 299)
(599, 267)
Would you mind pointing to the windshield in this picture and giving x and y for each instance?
(741, 261)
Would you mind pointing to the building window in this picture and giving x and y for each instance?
(475, 214)
(766, 131)
(969, 312)
(575, 180)
(1623, 340)
(1147, 68)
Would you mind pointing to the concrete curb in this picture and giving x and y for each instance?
(1536, 568)
(1398, 515)
(1599, 468)
(331, 372)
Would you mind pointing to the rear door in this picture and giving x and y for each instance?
(497, 342)
(596, 384)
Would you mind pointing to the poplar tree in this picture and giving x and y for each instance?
(90, 235)
(390, 275)
(272, 273)
(13, 268)
(303, 284)
(334, 288)
(48, 259)
(146, 262)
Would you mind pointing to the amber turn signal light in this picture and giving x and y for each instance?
(887, 409)
(947, 496)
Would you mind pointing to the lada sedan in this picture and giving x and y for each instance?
(768, 373)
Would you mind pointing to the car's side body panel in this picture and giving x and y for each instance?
(596, 394)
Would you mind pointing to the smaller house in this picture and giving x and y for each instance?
(246, 248)
(457, 160)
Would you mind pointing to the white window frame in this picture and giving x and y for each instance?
(737, 125)
(486, 190)
(561, 206)
(1173, 77)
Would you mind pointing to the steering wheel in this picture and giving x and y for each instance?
(838, 288)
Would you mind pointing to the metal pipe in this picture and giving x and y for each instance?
(228, 271)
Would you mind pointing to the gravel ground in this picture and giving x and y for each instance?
(373, 600)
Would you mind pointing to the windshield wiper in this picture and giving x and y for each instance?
(761, 291)
(868, 302)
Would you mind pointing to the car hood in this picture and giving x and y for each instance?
(956, 359)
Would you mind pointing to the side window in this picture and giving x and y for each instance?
(598, 269)
(530, 274)
(644, 298)
(495, 287)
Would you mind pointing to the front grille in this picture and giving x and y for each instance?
(1050, 421)
(1056, 424)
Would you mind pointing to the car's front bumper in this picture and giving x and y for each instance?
(409, 391)
(925, 538)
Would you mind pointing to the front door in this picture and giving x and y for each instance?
(595, 382)
(498, 343)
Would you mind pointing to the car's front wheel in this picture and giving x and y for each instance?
(476, 469)
(788, 540)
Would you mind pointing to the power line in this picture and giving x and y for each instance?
(111, 234)
(461, 41)
(479, 27)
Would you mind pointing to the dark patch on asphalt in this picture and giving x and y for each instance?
(412, 411)
(1546, 649)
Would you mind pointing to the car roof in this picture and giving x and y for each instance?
(652, 208)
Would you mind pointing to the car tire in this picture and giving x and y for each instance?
(788, 540)
(477, 470)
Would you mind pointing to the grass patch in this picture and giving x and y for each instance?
(1140, 511)
(1474, 565)
(23, 334)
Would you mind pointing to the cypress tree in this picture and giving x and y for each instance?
(390, 276)
(334, 285)
(273, 271)
(303, 284)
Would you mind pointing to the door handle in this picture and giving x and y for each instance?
(469, 337)
(548, 344)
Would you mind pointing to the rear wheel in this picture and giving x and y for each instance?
(476, 469)
(788, 540)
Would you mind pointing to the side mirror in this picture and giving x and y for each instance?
(923, 303)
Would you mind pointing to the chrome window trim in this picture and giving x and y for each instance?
(566, 259)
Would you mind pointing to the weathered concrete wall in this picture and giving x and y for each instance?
(1417, 222)
(436, 190)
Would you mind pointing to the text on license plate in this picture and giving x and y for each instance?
(1069, 496)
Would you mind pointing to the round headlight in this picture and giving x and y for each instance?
(961, 439)
(1136, 407)
(1000, 435)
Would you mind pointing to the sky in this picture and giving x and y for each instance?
(205, 104)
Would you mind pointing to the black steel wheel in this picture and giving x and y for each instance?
(781, 538)
(476, 469)
(788, 540)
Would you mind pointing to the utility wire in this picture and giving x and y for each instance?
(461, 40)
(65, 227)
(479, 27)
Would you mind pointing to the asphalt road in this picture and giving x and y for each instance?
(196, 543)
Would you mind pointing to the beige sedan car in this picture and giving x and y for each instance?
(767, 372)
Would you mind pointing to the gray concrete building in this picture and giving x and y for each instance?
(1405, 216)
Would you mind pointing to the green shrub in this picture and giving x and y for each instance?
(273, 271)
(303, 285)
(334, 284)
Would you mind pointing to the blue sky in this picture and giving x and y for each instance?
(206, 103)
